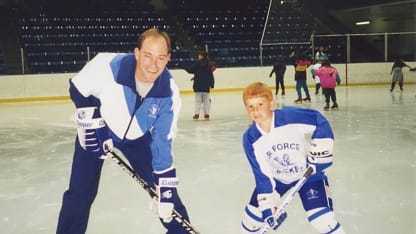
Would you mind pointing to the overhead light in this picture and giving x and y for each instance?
(362, 23)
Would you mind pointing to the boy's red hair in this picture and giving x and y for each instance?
(257, 89)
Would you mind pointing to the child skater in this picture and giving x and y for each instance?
(329, 79)
(279, 68)
(397, 73)
(315, 67)
(301, 63)
(203, 82)
(279, 154)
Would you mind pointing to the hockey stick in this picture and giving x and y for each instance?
(281, 209)
(150, 190)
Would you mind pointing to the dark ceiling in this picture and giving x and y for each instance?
(384, 16)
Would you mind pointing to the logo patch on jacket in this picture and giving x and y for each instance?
(312, 194)
(153, 109)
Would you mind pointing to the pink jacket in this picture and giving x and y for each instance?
(329, 76)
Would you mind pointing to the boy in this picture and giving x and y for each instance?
(279, 154)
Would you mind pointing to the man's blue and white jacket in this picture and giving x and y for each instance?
(108, 82)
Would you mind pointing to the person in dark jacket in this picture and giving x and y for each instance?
(203, 82)
(397, 73)
(279, 68)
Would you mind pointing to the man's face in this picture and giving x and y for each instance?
(259, 108)
(151, 59)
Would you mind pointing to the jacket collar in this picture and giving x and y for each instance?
(126, 72)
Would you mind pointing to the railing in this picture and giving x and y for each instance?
(352, 48)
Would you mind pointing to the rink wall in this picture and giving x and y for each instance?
(39, 87)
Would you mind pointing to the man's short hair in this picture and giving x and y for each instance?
(154, 32)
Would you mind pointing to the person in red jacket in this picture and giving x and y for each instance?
(301, 62)
(329, 79)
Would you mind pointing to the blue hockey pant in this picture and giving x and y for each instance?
(84, 181)
(302, 84)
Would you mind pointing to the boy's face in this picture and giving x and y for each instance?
(259, 108)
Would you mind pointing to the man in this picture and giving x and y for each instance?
(129, 101)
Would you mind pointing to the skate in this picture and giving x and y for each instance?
(307, 99)
(206, 117)
(335, 106)
(196, 117)
(326, 107)
(299, 100)
(283, 94)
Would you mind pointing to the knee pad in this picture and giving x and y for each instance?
(252, 220)
(323, 220)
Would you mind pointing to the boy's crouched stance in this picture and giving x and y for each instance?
(279, 153)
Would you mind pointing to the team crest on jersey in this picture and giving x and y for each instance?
(312, 194)
(153, 109)
(286, 160)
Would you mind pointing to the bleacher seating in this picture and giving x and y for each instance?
(232, 37)
(286, 31)
(64, 43)
(2, 63)
(335, 47)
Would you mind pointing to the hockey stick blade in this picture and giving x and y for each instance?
(282, 207)
(150, 190)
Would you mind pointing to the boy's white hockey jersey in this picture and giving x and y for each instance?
(280, 155)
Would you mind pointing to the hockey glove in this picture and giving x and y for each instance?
(166, 184)
(270, 220)
(280, 220)
(93, 133)
(268, 205)
(320, 154)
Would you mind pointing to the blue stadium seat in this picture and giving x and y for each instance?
(3, 68)
(58, 43)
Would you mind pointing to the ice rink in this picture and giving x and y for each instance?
(373, 179)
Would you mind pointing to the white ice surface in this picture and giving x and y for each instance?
(373, 179)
